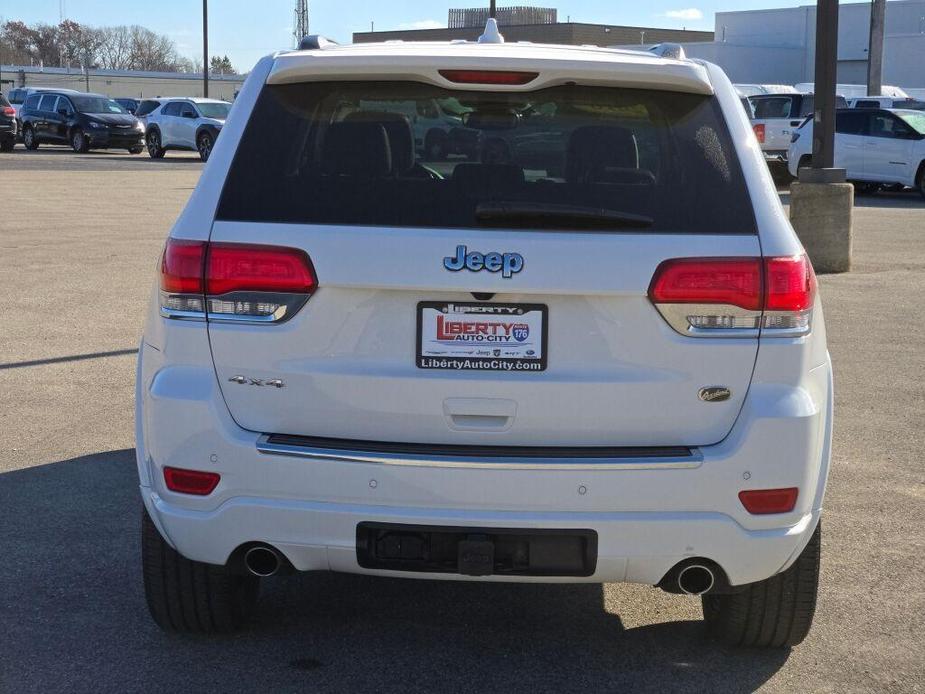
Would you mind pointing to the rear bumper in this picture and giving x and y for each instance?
(648, 514)
(631, 547)
(775, 156)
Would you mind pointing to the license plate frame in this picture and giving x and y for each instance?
(507, 355)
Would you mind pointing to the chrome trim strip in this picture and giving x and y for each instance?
(414, 460)
(183, 315)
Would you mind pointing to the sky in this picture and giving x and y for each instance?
(245, 30)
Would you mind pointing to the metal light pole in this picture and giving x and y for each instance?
(492, 9)
(875, 48)
(821, 201)
(823, 170)
(205, 48)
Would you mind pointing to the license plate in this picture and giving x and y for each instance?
(466, 336)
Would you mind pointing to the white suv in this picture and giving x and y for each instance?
(186, 124)
(607, 366)
(876, 147)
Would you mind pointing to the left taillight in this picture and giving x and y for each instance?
(182, 294)
(736, 297)
(234, 282)
(8, 111)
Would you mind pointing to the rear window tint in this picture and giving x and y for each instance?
(3, 101)
(404, 154)
(772, 106)
(145, 107)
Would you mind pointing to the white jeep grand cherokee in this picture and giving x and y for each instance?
(591, 349)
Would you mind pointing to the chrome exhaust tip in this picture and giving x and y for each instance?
(262, 561)
(696, 579)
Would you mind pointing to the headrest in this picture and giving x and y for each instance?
(356, 149)
(594, 149)
(398, 129)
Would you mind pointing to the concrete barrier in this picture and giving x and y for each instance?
(821, 216)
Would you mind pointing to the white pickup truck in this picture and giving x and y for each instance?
(776, 116)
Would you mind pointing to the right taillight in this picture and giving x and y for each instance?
(759, 132)
(735, 297)
(790, 292)
(234, 282)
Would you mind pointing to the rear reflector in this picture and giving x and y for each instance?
(234, 282)
(703, 296)
(489, 77)
(190, 481)
(759, 132)
(764, 501)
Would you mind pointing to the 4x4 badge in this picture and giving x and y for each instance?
(508, 264)
(248, 381)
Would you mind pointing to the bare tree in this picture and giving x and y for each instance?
(150, 51)
(115, 48)
(44, 44)
(16, 41)
(115, 51)
(189, 65)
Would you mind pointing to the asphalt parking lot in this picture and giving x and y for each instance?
(80, 237)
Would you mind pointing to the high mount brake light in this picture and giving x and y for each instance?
(736, 297)
(234, 282)
(499, 77)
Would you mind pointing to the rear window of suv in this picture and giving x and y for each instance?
(406, 154)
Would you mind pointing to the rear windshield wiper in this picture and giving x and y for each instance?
(557, 216)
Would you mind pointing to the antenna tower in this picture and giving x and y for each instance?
(299, 22)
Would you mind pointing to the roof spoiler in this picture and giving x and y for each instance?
(316, 42)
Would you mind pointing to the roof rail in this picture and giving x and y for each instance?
(669, 50)
(316, 42)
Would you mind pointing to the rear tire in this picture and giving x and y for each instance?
(774, 613)
(190, 596)
(29, 139)
(204, 144)
(7, 145)
(920, 180)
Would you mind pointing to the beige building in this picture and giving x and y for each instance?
(122, 83)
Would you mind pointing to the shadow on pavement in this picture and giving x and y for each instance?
(72, 357)
(907, 199)
(72, 617)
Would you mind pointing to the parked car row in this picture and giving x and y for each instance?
(85, 121)
(888, 126)
(774, 118)
(876, 147)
